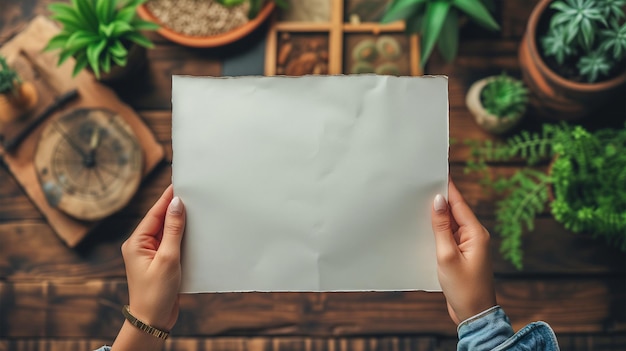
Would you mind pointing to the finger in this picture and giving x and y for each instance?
(153, 221)
(462, 213)
(446, 247)
(173, 228)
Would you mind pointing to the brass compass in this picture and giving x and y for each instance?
(89, 163)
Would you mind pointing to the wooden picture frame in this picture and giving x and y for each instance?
(335, 30)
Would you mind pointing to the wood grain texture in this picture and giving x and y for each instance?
(416, 343)
(408, 343)
(590, 305)
(55, 298)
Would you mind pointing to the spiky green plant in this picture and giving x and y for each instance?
(504, 96)
(591, 34)
(438, 21)
(98, 33)
(8, 77)
(587, 180)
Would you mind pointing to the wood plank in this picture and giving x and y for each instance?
(408, 343)
(514, 17)
(14, 15)
(568, 342)
(586, 305)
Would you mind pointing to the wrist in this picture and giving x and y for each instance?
(144, 326)
(148, 316)
(131, 338)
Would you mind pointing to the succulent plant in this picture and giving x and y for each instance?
(589, 33)
(365, 50)
(361, 67)
(504, 96)
(98, 33)
(8, 77)
(388, 47)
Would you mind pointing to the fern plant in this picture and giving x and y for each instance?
(586, 178)
(98, 33)
(589, 35)
(504, 96)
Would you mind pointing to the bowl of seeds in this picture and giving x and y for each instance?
(205, 23)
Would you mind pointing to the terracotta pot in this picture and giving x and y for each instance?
(488, 121)
(558, 97)
(211, 40)
(136, 59)
(12, 107)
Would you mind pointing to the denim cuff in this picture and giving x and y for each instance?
(484, 331)
(535, 336)
(491, 330)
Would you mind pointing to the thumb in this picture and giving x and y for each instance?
(442, 227)
(173, 227)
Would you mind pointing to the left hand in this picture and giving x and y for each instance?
(152, 258)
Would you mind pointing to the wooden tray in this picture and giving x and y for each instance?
(91, 94)
(332, 37)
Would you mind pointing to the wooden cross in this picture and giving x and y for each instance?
(336, 29)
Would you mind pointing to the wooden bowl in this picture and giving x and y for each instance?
(209, 41)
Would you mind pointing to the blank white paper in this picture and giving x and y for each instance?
(315, 183)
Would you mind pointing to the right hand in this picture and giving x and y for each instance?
(463, 257)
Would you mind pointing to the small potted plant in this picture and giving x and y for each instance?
(437, 21)
(16, 96)
(101, 35)
(584, 185)
(208, 23)
(573, 55)
(498, 103)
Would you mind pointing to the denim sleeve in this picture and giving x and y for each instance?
(491, 330)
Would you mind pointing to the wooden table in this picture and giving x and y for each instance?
(56, 298)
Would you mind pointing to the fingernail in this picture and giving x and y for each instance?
(440, 203)
(176, 206)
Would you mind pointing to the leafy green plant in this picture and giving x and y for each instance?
(438, 21)
(586, 179)
(589, 35)
(98, 33)
(255, 5)
(8, 77)
(504, 96)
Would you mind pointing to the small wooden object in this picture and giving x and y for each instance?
(335, 30)
(91, 94)
(89, 163)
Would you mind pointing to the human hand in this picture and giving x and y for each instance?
(152, 258)
(463, 257)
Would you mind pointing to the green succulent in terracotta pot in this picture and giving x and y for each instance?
(100, 34)
(573, 56)
(16, 95)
